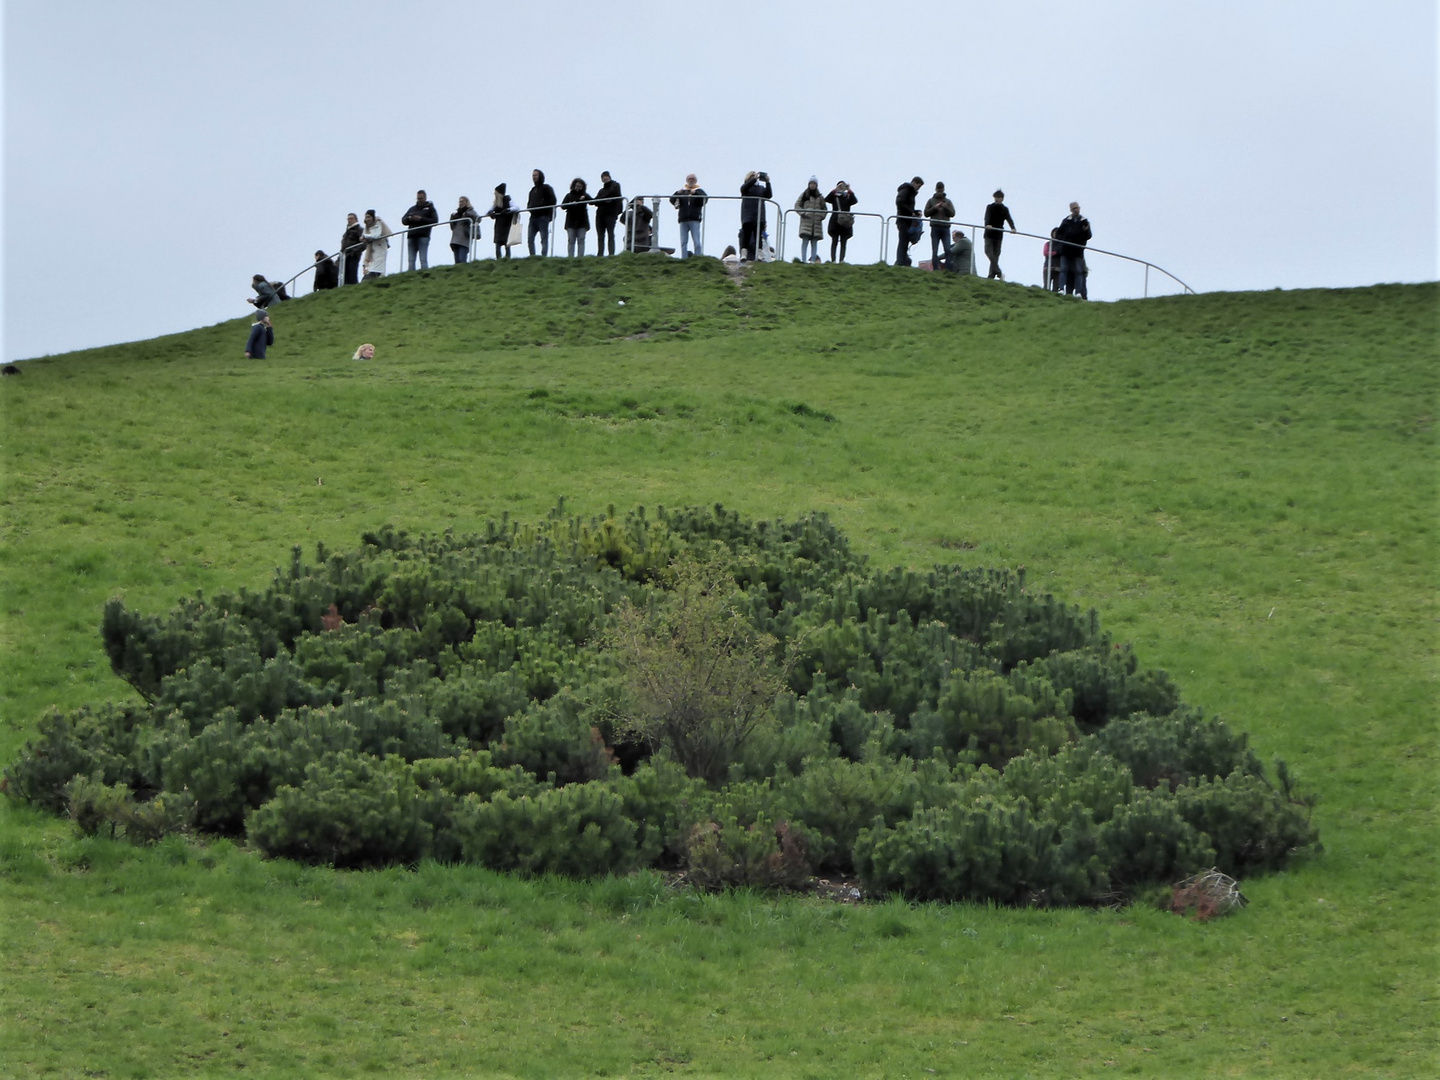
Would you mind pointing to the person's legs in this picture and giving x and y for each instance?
(992, 252)
(461, 253)
(844, 240)
(902, 246)
(607, 236)
(1070, 274)
(500, 250)
(411, 244)
(747, 240)
(690, 238)
(834, 246)
(940, 242)
(423, 247)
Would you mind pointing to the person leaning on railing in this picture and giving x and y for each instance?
(609, 203)
(327, 274)
(996, 215)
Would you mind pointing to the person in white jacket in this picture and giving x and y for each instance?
(376, 236)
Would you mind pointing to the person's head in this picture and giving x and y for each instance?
(999, 195)
(939, 187)
(256, 278)
(1074, 208)
(814, 184)
(464, 203)
(750, 176)
(351, 219)
(320, 256)
(842, 186)
(729, 250)
(261, 315)
(577, 184)
(420, 195)
(369, 217)
(536, 176)
(918, 183)
(691, 181)
(604, 177)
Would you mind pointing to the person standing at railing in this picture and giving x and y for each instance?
(503, 212)
(352, 248)
(327, 274)
(756, 190)
(996, 216)
(689, 203)
(541, 205)
(609, 203)
(842, 221)
(907, 223)
(939, 210)
(464, 230)
(812, 207)
(376, 235)
(418, 220)
(1073, 234)
(577, 218)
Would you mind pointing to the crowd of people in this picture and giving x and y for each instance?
(364, 247)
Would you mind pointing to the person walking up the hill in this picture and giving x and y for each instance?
(908, 224)
(812, 206)
(541, 205)
(327, 274)
(464, 230)
(577, 218)
(842, 221)
(352, 249)
(756, 190)
(609, 203)
(997, 214)
(377, 243)
(1073, 234)
(418, 220)
(939, 210)
(689, 203)
(503, 212)
(266, 292)
(262, 334)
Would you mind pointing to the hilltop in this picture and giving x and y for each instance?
(1243, 484)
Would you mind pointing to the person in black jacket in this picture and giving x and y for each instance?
(689, 203)
(352, 249)
(577, 218)
(909, 226)
(609, 202)
(503, 211)
(996, 216)
(756, 190)
(422, 214)
(327, 274)
(541, 205)
(842, 221)
(1073, 234)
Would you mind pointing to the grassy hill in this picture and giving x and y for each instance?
(1244, 485)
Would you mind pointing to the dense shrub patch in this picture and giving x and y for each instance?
(747, 700)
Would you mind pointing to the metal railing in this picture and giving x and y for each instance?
(1086, 249)
(785, 232)
(779, 221)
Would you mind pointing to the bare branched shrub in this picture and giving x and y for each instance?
(699, 678)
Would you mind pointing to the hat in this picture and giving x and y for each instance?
(261, 314)
(814, 179)
(500, 189)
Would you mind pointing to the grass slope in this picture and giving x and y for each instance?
(1244, 485)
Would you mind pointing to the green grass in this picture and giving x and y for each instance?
(1244, 485)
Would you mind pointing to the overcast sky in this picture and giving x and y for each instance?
(159, 152)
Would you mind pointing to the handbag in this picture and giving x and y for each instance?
(516, 233)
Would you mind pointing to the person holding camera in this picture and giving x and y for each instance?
(1073, 234)
(755, 189)
(842, 221)
(940, 210)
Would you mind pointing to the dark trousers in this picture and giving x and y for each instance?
(940, 238)
(605, 233)
(352, 266)
(992, 252)
(902, 246)
(749, 231)
(1072, 273)
(538, 226)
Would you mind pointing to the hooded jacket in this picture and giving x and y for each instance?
(905, 200)
(541, 202)
(577, 209)
(752, 207)
(609, 202)
(812, 207)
